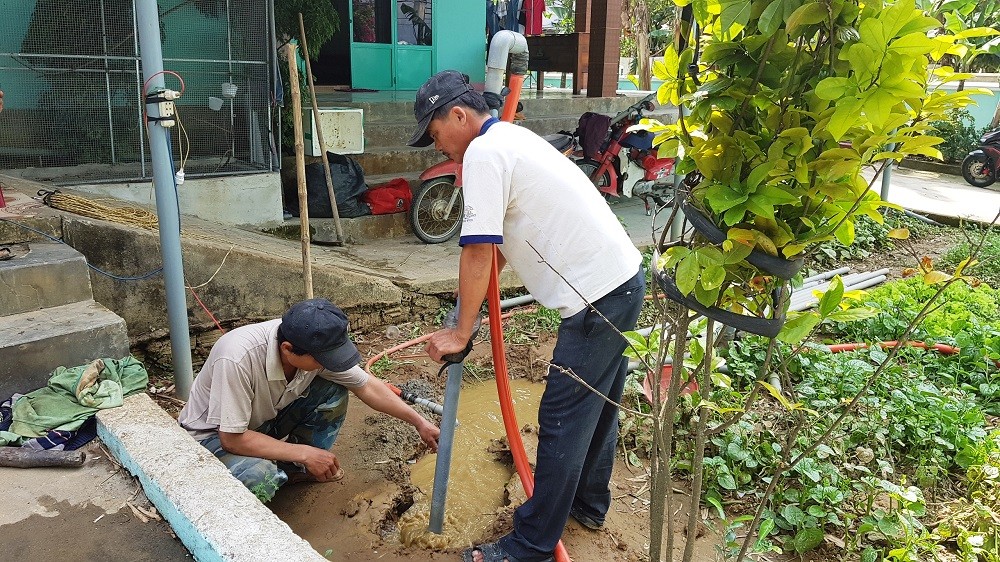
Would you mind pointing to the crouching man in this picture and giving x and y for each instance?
(272, 397)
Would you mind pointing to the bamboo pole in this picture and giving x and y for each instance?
(300, 167)
(319, 135)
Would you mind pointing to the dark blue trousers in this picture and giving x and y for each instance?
(578, 430)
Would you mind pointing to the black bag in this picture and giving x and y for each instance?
(348, 185)
(592, 131)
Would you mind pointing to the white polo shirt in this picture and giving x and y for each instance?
(242, 384)
(520, 193)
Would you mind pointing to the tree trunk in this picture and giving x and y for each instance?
(640, 31)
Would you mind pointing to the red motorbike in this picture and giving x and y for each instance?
(982, 165)
(438, 207)
(620, 159)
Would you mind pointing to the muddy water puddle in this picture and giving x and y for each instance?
(477, 479)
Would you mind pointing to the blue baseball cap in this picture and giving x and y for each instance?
(439, 90)
(319, 328)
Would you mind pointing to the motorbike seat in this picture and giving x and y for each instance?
(559, 141)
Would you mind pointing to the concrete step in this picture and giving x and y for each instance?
(384, 135)
(48, 275)
(401, 112)
(35, 343)
(397, 160)
(356, 230)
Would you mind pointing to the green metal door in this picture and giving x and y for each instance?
(391, 44)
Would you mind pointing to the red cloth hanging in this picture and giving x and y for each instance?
(533, 16)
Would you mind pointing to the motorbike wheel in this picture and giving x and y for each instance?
(430, 216)
(589, 168)
(977, 169)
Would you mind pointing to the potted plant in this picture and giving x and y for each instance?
(784, 104)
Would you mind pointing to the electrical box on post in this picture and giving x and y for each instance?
(343, 130)
(163, 99)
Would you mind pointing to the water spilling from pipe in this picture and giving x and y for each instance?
(476, 486)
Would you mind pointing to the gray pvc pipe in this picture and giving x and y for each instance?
(442, 469)
(167, 213)
(503, 44)
(826, 274)
(516, 301)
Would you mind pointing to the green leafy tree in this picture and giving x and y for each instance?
(788, 102)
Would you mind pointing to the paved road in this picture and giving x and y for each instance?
(942, 194)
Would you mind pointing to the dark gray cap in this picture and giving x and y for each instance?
(319, 328)
(439, 90)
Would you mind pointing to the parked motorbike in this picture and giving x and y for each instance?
(438, 207)
(982, 165)
(623, 161)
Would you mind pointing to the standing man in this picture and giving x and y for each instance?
(545, 215)
(272, 398)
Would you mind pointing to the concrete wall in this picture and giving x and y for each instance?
(237, 200)
(255, 284)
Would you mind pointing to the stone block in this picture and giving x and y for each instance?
(34, 343)
(49, 275)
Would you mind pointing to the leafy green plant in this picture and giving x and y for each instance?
(971, 522)
(987, 267)
(899, 526)
(321, 23)
(870, 237)
(787, 103)
(959, 133)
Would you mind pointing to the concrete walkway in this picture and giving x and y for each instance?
(942, 195)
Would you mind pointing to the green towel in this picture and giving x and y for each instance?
(73, 395)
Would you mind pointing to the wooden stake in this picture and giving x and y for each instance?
(23, 457)
(319, 135)
(300, 167)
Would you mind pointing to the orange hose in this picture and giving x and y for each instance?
(510, 105)
(415, 341)
(504, 396)
(939, 347)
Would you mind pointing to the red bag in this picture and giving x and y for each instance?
(392, 197)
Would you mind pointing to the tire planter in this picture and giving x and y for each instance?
(774, 265)
(767, 327)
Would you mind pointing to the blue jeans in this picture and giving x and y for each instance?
(578, 430)
(315, 419)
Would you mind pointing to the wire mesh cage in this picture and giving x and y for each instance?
(72, 77)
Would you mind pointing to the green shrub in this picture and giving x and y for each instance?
(869, 237)
(988, 266)
(959, 133)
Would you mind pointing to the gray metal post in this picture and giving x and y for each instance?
(148, 24)
(886, 180)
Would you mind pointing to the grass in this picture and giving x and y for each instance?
(988, 266)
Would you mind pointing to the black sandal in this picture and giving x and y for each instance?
(491, 553)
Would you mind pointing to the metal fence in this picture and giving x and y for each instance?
(72, 79)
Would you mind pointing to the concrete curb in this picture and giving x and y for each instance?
(213, 514)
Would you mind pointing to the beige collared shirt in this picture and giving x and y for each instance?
(242, 384)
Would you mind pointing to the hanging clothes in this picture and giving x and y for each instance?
(492, 20)
(533, 10)
(513, 9)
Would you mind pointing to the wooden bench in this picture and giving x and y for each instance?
(560, 53)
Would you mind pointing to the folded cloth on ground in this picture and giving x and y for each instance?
(74, 395)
